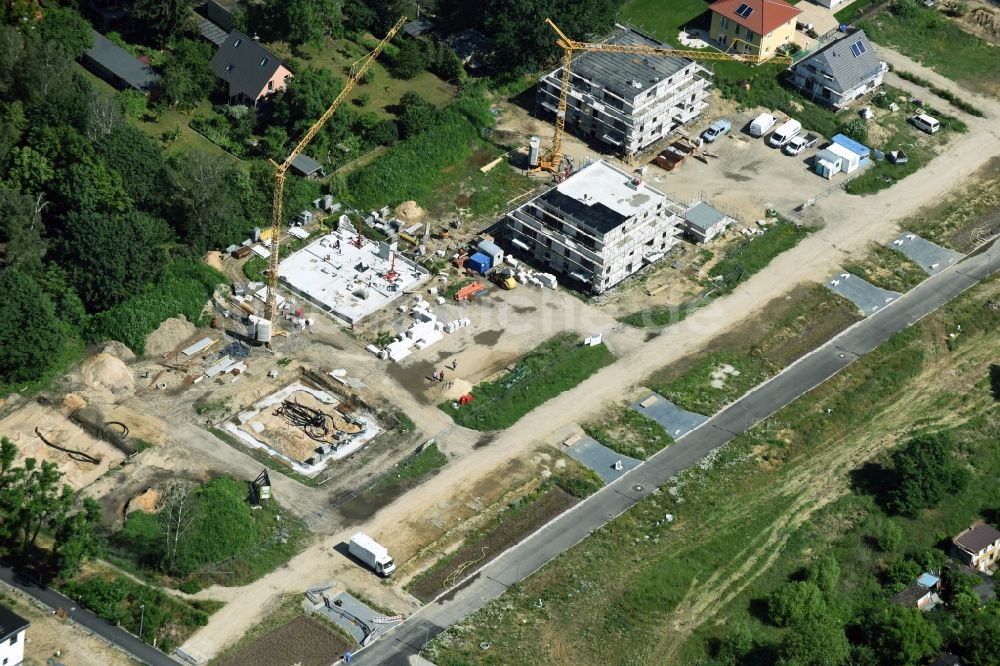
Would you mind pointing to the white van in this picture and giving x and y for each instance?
(926, 123)
(760, 124)
(788, 131)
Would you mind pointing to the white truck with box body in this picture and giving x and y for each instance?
(375, 556)
(785, 133)
(760, 124)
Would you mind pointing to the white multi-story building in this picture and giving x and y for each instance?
(596, 228)
(12, 628)
(628, 101)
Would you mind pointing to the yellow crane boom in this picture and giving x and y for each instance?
(569, 46)
(357, 71)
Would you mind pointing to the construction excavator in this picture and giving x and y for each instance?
(553, 160)
(357, 72)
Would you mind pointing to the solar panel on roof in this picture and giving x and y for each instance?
(744, 10)
(857, 48)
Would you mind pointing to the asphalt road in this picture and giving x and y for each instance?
(126, 641)
(571, 527)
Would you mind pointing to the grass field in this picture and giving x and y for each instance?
(628, 432)
(664, 19)
(888, 269)
(555, 366)
(428, 461)
(644, 590)
(967, 216)
(934, 41)
(785, 330)
(852, 11)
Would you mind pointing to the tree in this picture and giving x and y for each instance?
(385, 133)
(304, 99)
(104, 115)
(980, 637)
(12, 126)
(295, 21)
(111, 258)
(794, 602)
(90, 187)
(924, 473)
(411, 59)
(48, 84)
(132, 103)
(178, 515)
(418, 115)
(28, 170)
(901, 636)
(818, 640)
(128, 151)
(856, 129)
(66, 27)
(214, 201)
(21, 231)
(889, 537)
(77, 538)
(272, 143)
(31, 336)
(166, 19)
(824, 573)
(900, 572)
(187, 76)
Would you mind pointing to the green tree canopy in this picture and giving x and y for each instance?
(31, 335)
(165, 19)
(818, 640)
(187, 75)
(924, 472)
(64, 26)
(112, 257)
(793, 602)
(901, 636)
(417, 115)
(21, 231)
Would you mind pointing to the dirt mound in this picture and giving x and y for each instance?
(453, 389)
(118, 350)
(169, 336)
(214, 259)
(148, 501)
(105, 371)
(986, 19)
(409, 211)
(72, 402)
(141, 425)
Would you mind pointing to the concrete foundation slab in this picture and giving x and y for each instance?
(676, 421)
(346, 280)
(930, 257)
(869, 298)
(356, 618)
(601, 459)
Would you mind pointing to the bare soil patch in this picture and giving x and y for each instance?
(304, 642)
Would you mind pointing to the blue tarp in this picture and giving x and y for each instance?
(478, 262)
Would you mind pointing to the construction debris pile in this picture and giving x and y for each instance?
(327, 429)
(422, 333)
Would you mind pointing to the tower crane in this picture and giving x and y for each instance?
(357, 71)
(553, 161)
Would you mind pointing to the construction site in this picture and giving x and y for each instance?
(381, 341)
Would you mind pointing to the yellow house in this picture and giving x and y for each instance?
(758, 27)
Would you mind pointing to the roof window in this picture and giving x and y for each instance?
(744, 10)
(263, 61)
(229, 67)
(858, 47)
(237, 43)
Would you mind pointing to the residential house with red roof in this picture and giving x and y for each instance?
(757, 27)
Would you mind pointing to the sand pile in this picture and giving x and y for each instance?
(71, 403)
(453, 389)
(169, 336)
(214, 259)
(118, 350)
(410, 212)
(148, 501)
(105, 371)
(141, 425)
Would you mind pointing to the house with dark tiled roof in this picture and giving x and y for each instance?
(756, 27)
(12, 628)
(117, 66)
(250, 71)
(841, 71)
(978, 547)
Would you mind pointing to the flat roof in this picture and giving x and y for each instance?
(603, 196)
(305, 164)
(346, 280)
(850, 144)
(624, 74)
(841, 150)
(703, 216)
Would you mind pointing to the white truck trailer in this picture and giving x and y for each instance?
(375, 556)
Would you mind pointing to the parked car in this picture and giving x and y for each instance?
(926, 123)
(800, 143)
(719, 128)
(784, 134)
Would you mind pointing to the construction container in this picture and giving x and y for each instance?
(491, 250)
(242, 252)
(479, 263)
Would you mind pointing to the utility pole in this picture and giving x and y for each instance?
(142, 616)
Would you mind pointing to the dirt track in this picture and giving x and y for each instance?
(850, 223)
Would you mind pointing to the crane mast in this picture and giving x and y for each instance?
(553, 161)
(357, 71)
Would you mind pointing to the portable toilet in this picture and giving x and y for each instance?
(478, 262)
(827, 163)
(491, 250)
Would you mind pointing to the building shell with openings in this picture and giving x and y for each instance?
(628, 102)
(596, 228)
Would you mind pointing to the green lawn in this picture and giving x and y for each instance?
(429, 460)
(852, 11)
(888, 269)
(663, 19)
(931, 39)
(555, 366)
